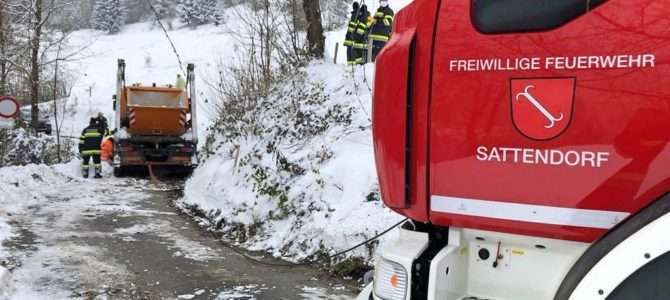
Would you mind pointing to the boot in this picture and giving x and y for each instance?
(85, 174)
(97, 175)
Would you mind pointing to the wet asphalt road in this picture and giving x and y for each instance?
(127, 241)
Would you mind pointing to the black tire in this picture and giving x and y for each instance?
(119, 172)
(188, 171)
(612, 239)
(649, 283)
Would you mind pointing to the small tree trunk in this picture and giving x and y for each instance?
(55, 97)
(3, 51)
(315, 39)
(34, 64)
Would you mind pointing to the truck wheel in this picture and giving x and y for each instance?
(649, 282)
(119, 172)
(188, 171)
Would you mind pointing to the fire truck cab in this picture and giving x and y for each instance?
(527, 142)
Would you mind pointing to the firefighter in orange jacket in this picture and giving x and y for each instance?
(107, 149)
(380, 32)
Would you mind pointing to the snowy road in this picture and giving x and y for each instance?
(122, 239)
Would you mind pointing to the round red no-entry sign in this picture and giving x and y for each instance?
(9, 108)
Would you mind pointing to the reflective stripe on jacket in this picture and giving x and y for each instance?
(361, 34)
(382, 25)
(90, 140)
(351, 29)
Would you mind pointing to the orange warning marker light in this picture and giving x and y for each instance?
(394, 280)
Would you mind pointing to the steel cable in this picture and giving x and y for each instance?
(167, 35)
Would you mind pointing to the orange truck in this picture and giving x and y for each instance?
(155, 125)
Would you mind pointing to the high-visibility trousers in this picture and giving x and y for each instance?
(96, 163)
(360, 53)
(351, 55)
(377, 47)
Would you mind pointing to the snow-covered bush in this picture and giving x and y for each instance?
(164, 8)
(18, 147)
(109, 15)
(298, 181)
(294, 114)
(288, 165)
(199, 12)
(335, 13)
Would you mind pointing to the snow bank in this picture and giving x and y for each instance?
(331, 204)
(6, 284)
(26, 192)
(21, 188)
(299, 199)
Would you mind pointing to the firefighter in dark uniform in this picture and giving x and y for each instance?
(361, 36)
(380, 32)
(103, 123)
(89, 147)
(351, 30)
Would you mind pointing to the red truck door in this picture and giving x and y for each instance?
(401, 107)
(548, 118)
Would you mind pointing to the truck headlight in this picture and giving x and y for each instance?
(390, 280)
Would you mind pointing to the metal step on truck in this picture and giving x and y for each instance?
(527, 142)
(156, 126)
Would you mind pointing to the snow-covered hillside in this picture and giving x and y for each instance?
(250, 191)
(329, 204)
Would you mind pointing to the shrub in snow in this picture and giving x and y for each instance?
(292, 172)
(335, 13)
(295, 113)
(199, 12)
(163, 8)
(109, 15)
(18, 148)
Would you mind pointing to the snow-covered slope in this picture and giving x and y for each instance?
(329, 205)
(334, 204)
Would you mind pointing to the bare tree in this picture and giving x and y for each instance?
(37, 24)
(3, 44)
(36, 34)
(55, 104)
(5, 37)
(315, 39)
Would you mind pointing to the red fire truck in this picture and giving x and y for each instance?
(527, 142)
